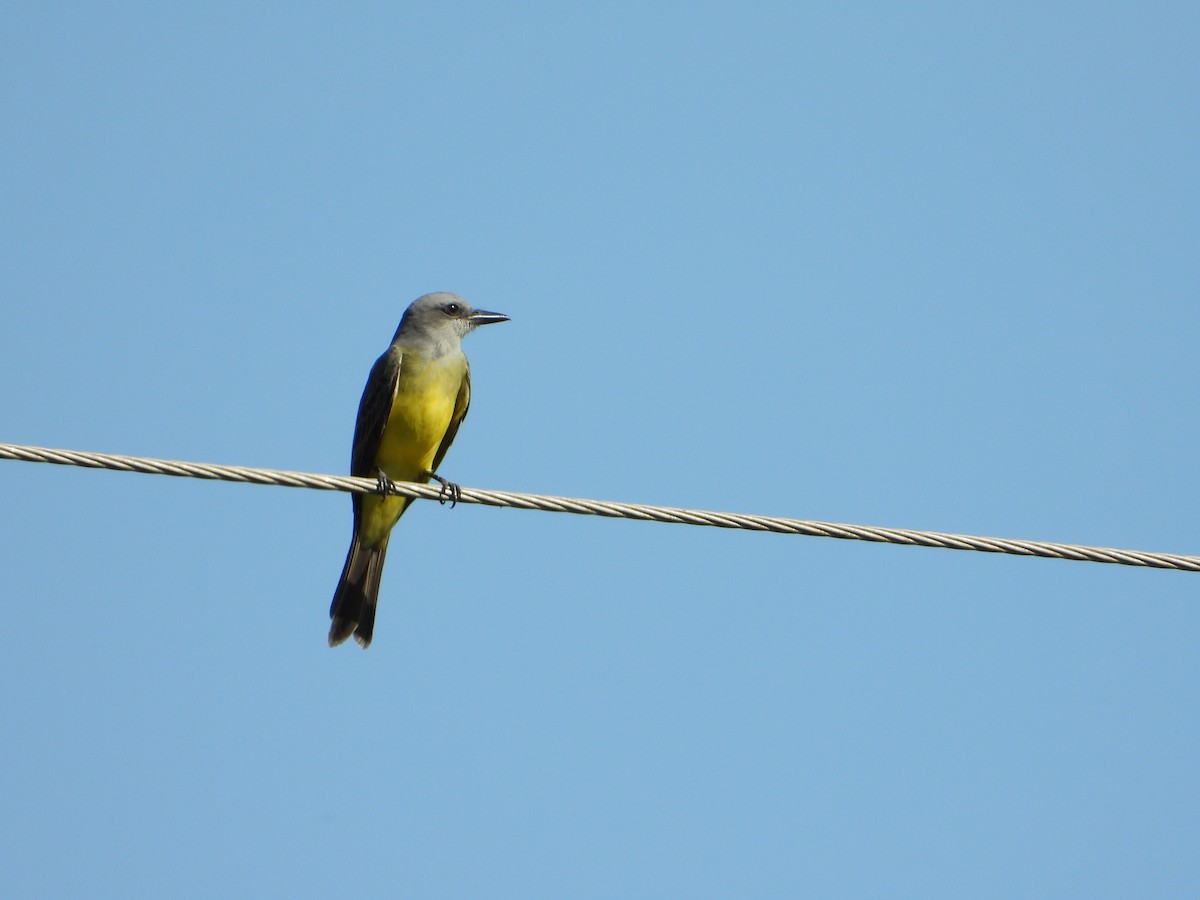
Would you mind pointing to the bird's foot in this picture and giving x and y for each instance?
(450, 491)
(383, 483)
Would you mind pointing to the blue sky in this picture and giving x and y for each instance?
(928, 266)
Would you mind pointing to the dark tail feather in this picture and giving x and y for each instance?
(354, 601)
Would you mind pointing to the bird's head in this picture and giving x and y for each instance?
(443, 318)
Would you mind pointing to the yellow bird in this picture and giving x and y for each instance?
(416, 397)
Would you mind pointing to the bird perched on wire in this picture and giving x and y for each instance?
(415, 400)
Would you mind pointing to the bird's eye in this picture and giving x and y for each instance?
(452, 309)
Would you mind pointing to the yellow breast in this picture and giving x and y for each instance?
(421, 413)
(422, 410)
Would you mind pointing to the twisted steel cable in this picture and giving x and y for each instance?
(669, 514)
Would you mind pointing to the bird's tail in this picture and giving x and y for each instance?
(354, 601)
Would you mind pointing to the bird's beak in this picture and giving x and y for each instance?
(483, 317)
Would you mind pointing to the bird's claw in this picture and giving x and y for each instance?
(450, 491)
(383, 483)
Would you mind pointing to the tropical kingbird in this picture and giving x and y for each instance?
(416, 397)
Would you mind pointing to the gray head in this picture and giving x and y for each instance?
(442, 319)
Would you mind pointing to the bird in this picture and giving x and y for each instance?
(415, 399)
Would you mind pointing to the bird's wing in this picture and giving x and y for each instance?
(373, 412)
(460, 412)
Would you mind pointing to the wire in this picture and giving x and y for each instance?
(908, 537)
